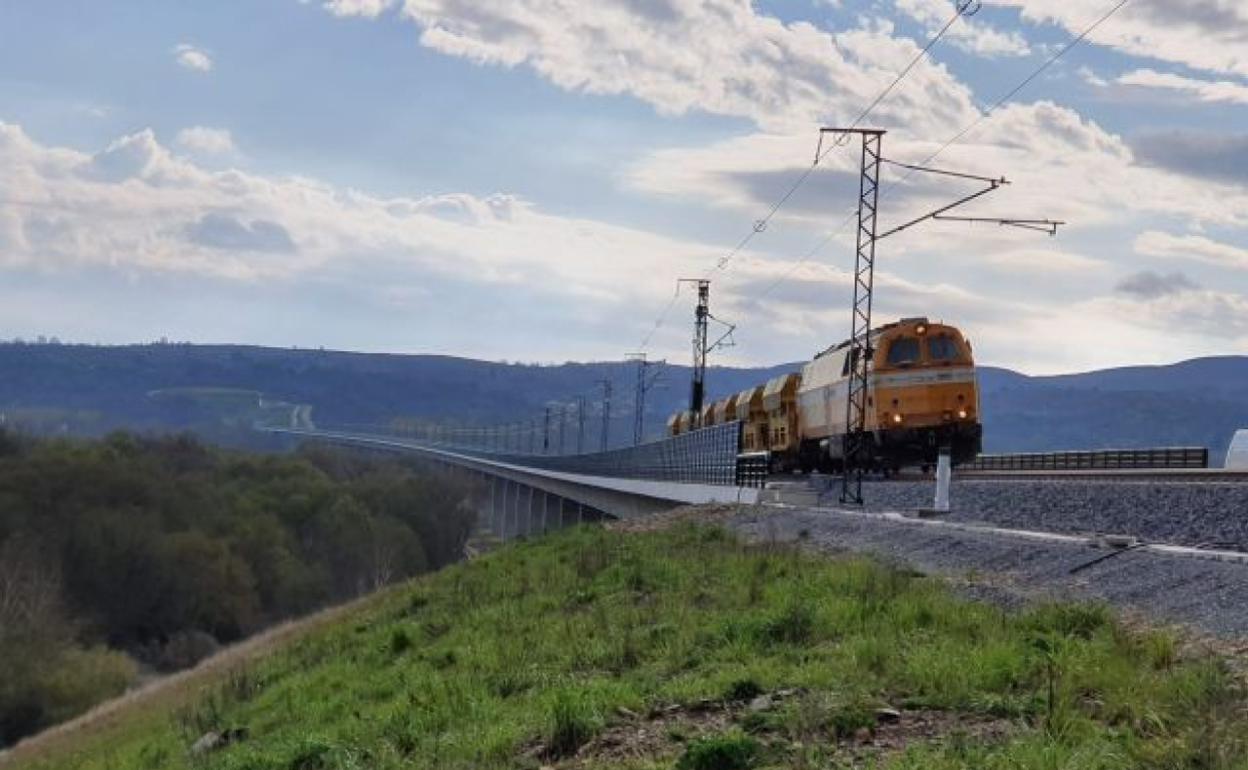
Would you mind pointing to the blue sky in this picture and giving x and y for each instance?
(526, 180)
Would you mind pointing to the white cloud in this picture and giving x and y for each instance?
(1201, 90)
(1089, 76)
(968, 33)
(1154, 243)
(717, 56)
(134, 206)
(1218, 315)
(1147, 284)
(192, 57)
(137, 209)
(209, 141)
(1209, 35)
(790, 77)
(1116, 331)
(369, 9)
(1061, 166)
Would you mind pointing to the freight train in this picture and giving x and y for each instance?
(921, 396)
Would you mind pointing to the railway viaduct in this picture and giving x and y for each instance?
(527, 495)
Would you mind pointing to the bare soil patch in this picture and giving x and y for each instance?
(663, 734)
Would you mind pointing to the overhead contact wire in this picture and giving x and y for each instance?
(1021, 85)
(761, 224)
(954, 139)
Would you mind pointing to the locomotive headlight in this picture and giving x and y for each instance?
(962, 414)
(920, 329)
(897, 419)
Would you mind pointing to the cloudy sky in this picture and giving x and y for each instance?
(526, 179)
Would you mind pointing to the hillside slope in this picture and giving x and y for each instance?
(88, 389)
(599, 649)
(1194, 403)
(218, 390)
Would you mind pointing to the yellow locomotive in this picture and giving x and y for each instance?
(921, 395)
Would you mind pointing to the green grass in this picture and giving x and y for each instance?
(720, 752)
(523, 657)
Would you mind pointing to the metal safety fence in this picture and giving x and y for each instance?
(1157, 458)
(704, 456)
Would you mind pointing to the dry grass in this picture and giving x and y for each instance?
(158, 697)
(708, 515)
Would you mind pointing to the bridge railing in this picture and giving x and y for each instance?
(1156, 458)
(705, 456)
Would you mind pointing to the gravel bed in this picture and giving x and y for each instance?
(1206, 595)
(1179, 512)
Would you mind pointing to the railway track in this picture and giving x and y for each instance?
(1147, 475)
(1200, 508)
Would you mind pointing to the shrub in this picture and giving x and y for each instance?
(312, 754)
(1160, 649)
(743, 690)
(850, 718)
(510, 682)
(794, 624)
(572, 722)
(1071, 620)
(82, 678)
(400, 642)
(187, 648)
(732, 751)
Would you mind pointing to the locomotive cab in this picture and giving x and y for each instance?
(923, 393)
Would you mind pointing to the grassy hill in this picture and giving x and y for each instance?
(687, 649)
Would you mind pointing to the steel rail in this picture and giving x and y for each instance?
(1191, 475)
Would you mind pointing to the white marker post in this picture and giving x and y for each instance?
(944, 474)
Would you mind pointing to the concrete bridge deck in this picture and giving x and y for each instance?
(524, 500)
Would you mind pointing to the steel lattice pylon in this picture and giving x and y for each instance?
(857, 442)
(701, 314)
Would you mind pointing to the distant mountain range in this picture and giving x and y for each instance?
(220, 390)
(1193, 403)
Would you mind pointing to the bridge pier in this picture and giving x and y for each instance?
(512, 509)
(493, 509)
(501, 508)
(514, 514)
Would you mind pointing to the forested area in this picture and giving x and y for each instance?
(134, 554)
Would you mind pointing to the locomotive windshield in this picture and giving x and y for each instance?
(903, 350)
(942, 347)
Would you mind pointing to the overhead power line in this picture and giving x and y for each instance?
(1020, 86)
(962, 8)
(961, 134)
